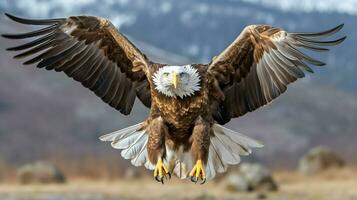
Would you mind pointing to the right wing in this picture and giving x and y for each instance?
(259, 65)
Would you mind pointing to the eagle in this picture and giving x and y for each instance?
(189, 104)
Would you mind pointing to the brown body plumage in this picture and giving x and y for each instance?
(180, 118)
(183, 129)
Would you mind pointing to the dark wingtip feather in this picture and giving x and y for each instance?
(332, 43)
(11, 49)
(334, 30)
(11, 36)
(8, 36)
(339, 27)
(17, 57)
(8, 15)
(32, 43)
(341, 39)
(32, 34)
(33, 21)
(14, 18)
(30, 62)
(320, 64)
(321, 34)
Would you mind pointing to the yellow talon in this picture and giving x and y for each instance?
(161, 171)
(198, 173)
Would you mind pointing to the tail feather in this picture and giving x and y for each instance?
(132, 141)
(238, 137)
(219, 164)
(183, 164)
(225, 149)
(117, 135)
(141, 157)
(134, 147)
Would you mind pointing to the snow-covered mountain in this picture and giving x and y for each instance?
(200, 29)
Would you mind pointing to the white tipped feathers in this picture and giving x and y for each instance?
(225, 149)
(132, 141)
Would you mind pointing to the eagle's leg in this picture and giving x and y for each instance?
(156, 148)
(200, 144)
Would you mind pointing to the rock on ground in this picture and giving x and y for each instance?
(40, 172)
(319, 159)
(251, 177)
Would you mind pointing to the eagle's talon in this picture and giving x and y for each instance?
(198, 173)
(157, 179)
(161, 172)
(168, 176)
(203, 181)
(193, 179)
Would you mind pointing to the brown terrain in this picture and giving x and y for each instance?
(330, 185)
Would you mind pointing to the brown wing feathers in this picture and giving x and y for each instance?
(264, 60)
(91, 51)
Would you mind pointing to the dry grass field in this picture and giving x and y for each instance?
(331, 185)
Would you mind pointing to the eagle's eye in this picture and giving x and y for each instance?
(184, 75)
(166, 74)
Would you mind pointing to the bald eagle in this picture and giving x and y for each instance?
(183, 133)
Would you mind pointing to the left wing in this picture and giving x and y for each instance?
(92, 51)
(257, 67)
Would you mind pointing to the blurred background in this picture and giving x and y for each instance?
(50, 124)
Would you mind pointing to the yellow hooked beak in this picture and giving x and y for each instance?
(175, 79)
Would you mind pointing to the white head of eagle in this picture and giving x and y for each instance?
(177, 81)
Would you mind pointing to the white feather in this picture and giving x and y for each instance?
(238, 137)
(111, 136)
(225, 149)
(134, 148)
(133, 141)
(183, 164)
(141, 158)
(125, 142)
(219, 165)
(149, 165)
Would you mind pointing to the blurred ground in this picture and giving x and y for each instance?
(330, 185)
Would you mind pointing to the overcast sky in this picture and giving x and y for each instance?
(341, 6)
(43, 7)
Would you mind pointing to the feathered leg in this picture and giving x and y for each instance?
(200, 147)
(156, 148)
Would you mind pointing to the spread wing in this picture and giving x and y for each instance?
(91, 51)
(257, 67)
